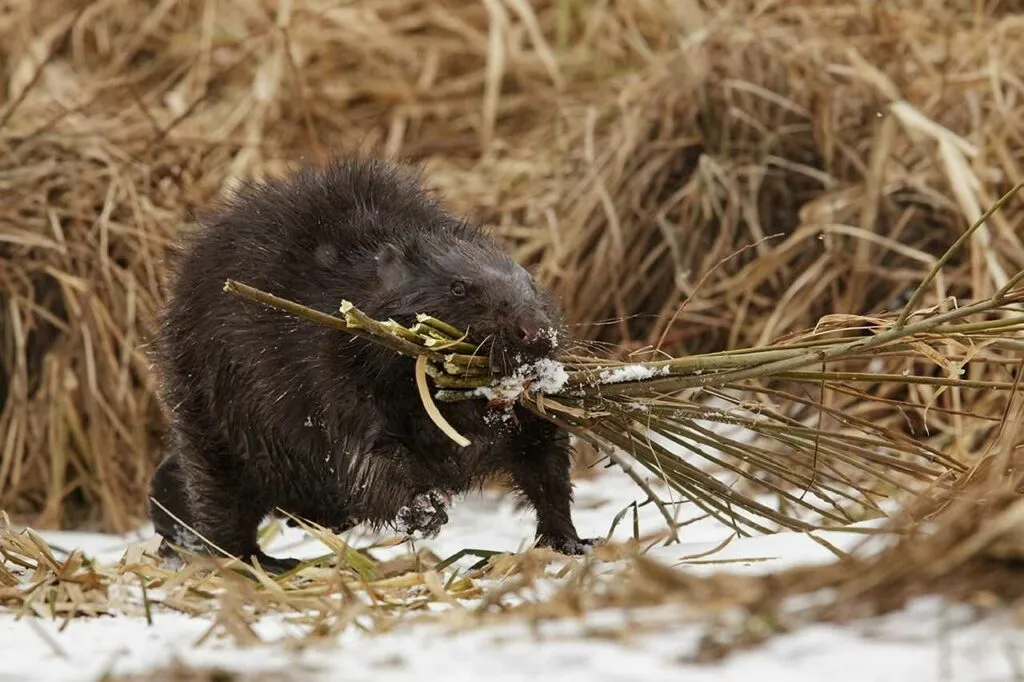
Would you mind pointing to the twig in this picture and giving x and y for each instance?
(919, 292)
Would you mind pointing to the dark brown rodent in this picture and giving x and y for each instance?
(268, 410)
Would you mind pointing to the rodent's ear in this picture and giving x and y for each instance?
(392, 265)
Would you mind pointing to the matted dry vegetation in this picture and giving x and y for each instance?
(690, 175)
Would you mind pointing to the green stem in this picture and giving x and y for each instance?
(443, 328)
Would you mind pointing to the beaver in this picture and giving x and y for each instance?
(269, 411)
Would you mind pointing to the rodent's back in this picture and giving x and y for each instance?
(297, 233)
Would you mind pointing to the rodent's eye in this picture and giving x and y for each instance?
(458, 288)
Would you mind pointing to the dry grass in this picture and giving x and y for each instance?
(690, 176)
(739, 169)
(346, 588)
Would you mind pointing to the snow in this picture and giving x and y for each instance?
(545, 376)
(929, 641)
(550, 376)
(630, 373)
(910, 646)
(551, 334)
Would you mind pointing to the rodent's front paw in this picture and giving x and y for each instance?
(426, 514)
(568, 545)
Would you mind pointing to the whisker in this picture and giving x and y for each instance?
(479, 346)
(616, 320)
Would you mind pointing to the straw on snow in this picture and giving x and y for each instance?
(973, 548)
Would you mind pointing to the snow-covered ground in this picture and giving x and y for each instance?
(929, 641)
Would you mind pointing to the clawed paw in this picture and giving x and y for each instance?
(571, 546)
(425, 513)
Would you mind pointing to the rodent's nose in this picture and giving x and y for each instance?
(530, 329)
(528, 333)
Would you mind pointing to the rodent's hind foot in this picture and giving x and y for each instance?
(571, 546)
(174, 561)
(275, 565)
(169, 556)
(337, 528)
(426, 513)
(174, 535)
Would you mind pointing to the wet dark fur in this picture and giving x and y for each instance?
(268, 410)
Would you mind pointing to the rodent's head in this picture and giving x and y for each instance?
(474, 285)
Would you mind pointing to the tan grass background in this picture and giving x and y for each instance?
(767, 162)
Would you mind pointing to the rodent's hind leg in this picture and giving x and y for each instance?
(225, 515)
(206, 494)
(541, 473)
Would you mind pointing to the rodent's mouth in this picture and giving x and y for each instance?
(507, 359)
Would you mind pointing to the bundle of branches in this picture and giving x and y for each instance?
(656, 410)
